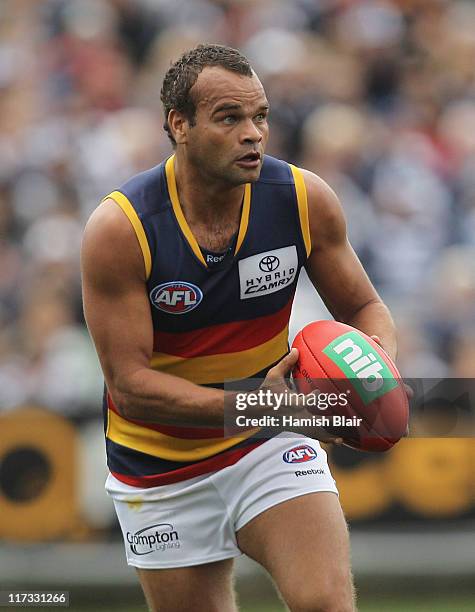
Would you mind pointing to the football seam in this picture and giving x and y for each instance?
(331, 380)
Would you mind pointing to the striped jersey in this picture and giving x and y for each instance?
(211, 323)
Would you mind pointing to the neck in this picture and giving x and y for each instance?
(204, 198)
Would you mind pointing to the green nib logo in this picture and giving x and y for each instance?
(359, 362)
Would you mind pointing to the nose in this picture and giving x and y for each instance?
(250, 133)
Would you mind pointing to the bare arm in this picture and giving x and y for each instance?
(118, 316)
(336, 271)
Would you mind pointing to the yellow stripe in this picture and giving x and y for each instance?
(246, 207)
(226, 366)
(160, 445)
(120, 199)
(108, 423)
(185, 228)
(301, 191)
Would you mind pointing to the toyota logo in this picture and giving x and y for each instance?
(269, 263)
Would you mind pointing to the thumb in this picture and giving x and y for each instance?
(285, 364)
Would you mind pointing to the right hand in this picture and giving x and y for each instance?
(276, 376)
(277, 383)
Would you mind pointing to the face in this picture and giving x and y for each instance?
(227, 141)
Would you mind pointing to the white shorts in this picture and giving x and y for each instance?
(195, 521)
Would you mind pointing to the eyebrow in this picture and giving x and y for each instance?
(230, 106)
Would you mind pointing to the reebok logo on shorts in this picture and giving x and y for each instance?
(308, 472)
(154, 538)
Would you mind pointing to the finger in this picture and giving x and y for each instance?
(285, 364)
(335, 441)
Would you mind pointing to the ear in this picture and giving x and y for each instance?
(178, 126)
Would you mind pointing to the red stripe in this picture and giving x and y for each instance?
(223, 338)
(187, 433)
(212, 464)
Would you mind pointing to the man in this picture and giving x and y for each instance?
(176, 265)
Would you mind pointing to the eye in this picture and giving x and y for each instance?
(261, 117)
(230, 119)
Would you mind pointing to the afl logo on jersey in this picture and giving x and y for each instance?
(176, 297)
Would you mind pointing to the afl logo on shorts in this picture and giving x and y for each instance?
(176, 297)
(299, 454)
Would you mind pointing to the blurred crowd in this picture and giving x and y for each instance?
(376, 96)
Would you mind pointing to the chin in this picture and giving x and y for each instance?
(250, 175)
(254, 176)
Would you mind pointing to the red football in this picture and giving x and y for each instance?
(361, 391)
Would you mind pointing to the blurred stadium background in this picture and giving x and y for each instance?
(376, 96)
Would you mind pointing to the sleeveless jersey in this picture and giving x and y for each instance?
(211, 324)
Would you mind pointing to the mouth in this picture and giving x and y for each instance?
(250, 160)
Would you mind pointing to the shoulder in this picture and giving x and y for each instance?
(317, 188)
(326, 217)
(108, 222)
(110, 242)
(146, 192)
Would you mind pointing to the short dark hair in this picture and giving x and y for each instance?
(182, 75)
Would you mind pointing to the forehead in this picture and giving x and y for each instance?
(215, 86)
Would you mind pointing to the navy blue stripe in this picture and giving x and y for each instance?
(130, 462)
(243, 384)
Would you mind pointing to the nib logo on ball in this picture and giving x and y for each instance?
(361, 363)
